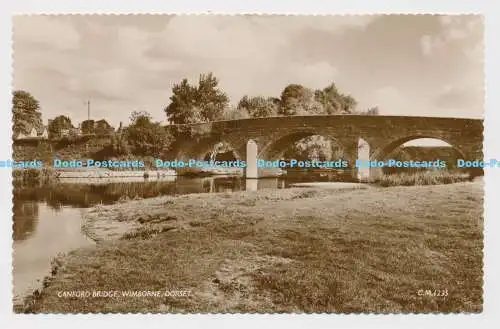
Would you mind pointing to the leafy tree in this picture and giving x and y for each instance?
(335, 102)
(140, 118)
(276, 101)
(299, 100)
(348, 104)
(119, 144)
(26, 113)
(211, 100)
(183, 104)
(330, 99)
(233, 113)
(58, 124)
(314, 147)
(193, 104)
(145, 137)
(102, 127)
(258, 107)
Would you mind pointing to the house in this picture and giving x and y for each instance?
(35, 133)
(91, 127)
(65, 132)
(45, 133)
(70, 132)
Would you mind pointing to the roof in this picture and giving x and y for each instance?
(40, 129)
(39, 132)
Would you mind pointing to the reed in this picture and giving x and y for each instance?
(436, 177)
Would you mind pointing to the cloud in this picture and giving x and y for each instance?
(315, 75)
(391, 101)
(457, 97)
(45, 30)
(126, 63)
(430, 43)
(247, 49)
(455, 29)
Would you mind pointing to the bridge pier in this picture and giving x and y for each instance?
(363, 173)
(351, 148)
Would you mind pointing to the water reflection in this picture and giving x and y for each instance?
(39, 237)
(25, 215)
(83, 193)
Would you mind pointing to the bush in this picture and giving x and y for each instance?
(33, 175)
(421, 178)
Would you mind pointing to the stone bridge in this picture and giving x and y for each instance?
(274, 135)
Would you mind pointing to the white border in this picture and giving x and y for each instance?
(492, 176)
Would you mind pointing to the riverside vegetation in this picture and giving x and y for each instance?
(293, 250)
(426, 177)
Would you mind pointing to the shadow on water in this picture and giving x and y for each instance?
(83, 193)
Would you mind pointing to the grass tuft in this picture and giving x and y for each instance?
(421, 178)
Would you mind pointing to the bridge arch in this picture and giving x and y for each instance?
(204, 148)
(214, 150)
(276, 147)
(382, 152)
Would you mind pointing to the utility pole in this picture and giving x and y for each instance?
(88, 109)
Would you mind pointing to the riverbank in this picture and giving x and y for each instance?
(49, 173)
(291, 250)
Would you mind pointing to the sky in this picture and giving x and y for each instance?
(425, 65)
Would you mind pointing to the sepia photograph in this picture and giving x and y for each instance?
(247, 163)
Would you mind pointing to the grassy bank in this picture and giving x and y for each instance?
(294, 250)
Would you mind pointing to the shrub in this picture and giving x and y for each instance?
(421, 178)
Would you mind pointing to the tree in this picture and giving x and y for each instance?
(211, 100)
(26, 113)
(314, 147)
(276, 101)
(373, 111)
(330, 98)
(299, 100)
(182, 107)
(335, 102)
(233, 113)
(258, 107)
(58, 124)
(193, 104)
(140, 118)
(119, 144)
(102, 127)
(348, 104)
(147, 138)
